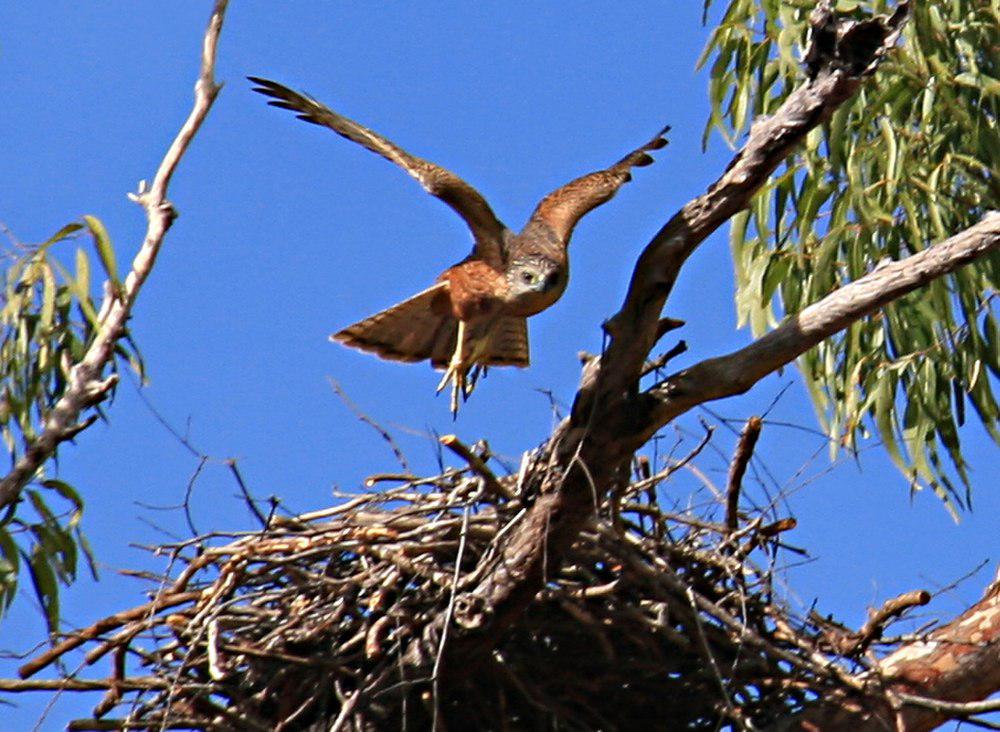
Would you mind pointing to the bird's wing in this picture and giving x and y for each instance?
(463, 198)
(565, 206)
(418, 328)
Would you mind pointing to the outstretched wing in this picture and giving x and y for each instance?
(418, 328)
(437, 181)
(564, 207)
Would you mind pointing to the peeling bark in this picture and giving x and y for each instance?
(925, 682)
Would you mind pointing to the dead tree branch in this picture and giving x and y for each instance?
(86, 384)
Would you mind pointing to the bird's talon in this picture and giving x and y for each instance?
(444, 379)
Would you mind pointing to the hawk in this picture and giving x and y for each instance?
(475, 314)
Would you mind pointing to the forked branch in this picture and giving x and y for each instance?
(86, 384)
(736, 372)
(589, 452)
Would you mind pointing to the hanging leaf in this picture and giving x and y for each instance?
(41, 337)
(909, 161)
(104, 249)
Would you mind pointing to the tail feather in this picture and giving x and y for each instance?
(423, 327)
(508, 344)
(411, 331)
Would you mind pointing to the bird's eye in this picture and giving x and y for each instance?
(528, 277)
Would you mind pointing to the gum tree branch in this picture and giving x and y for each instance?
(839, 59)
(924, 683)
(86, 384)
(590, 450)
(736, 372)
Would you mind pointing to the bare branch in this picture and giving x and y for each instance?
(477, 464)
(135, 682)
(102, 626)
(891, 609)
(850, 644)
(86, 386)
(737, 372)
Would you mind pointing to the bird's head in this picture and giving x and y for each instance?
(533, 284)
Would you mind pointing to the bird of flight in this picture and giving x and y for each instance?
(475, 314)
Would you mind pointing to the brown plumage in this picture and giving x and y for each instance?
(475, 315)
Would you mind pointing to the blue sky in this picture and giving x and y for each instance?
(280, 222)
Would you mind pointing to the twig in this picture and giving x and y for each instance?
(737, 468)
(247, 498)
(102, 626)
(952, 709)
(664, 358)
(383, 432)
(891, 609)
(731, 711)
(855, 643)
(449, 613)
(134, 682)
(477, 464)
(188, 493)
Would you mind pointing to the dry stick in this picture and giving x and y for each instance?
(189, 491)
(247, 498)
(85, 386)
(738, 468)
(102, 725)
(383, 432)
(731, 711)
(133, 683)
(674, 466)
(878, 619)
(664, 358)
(956, 709)
(449, 612)
(114, 694)
(477, 464)
(102, 626)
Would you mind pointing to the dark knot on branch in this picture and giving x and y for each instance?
(838, 43)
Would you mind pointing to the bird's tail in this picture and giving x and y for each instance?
(423, 328)
(508, 343)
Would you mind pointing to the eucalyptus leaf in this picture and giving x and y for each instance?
(907, 162)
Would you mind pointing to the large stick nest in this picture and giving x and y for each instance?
(654, 615)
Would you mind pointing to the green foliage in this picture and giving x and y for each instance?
(911, 160)
(46, 324)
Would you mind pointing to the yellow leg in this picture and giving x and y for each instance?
(456, 370)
